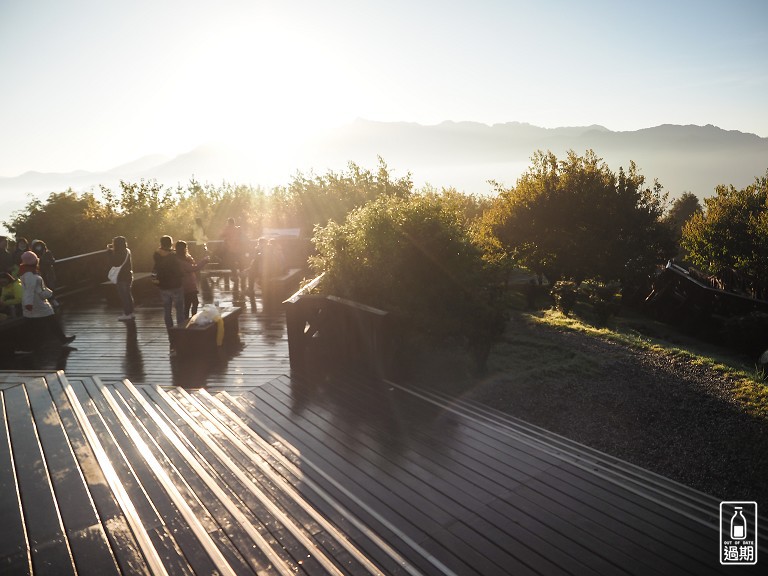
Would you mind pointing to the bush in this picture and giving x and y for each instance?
(413, 256)
(605, 300)
(565, 294)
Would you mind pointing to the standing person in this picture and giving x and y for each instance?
(6, 258)
(169, 281)
(47, 266)
(254, 271)
(119, 255)
(200, 238)
(36, 308)
(189, 282)
(22, 245)
(232, 250)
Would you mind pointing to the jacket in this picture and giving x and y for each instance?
(168, 269)
(35, 294)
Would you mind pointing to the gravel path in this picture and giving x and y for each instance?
(664, 414)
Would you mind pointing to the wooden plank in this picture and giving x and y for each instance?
(47, 539)
(191, 539)
(577, 549)
(14, 549)
(396, 504)
(277, 482)
(264, 447)
(221, 525)
(113, 518)
(81, 523)
(280, 535)
(160, 548)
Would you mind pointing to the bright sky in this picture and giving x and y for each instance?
(91, 84)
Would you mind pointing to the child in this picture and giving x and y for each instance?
(37, 310)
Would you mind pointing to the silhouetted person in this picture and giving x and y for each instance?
(232, 250)
(169, 281)
(6, 258)
(189, 281)
(119, 255)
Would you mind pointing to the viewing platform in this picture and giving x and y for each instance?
(117, 458)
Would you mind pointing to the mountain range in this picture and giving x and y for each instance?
(463, 155)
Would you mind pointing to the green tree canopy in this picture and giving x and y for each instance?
(412, 255)
(575, 218)
(732, 232)
(311, 200)
(680, 212)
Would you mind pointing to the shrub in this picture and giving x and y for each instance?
(413, 256)
(605, 300)
(565, 294)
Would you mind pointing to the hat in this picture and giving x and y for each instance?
(29, 258)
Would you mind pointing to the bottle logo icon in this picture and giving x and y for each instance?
(738, 533)
(738, 525)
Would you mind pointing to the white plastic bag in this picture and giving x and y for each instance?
(207, 315)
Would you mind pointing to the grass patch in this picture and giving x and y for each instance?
(746, 384)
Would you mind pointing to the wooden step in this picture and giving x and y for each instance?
(53, 520)
(679, 497)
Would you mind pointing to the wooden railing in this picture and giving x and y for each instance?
(328, 333)
(80, 273)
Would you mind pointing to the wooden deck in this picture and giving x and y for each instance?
(107, 468)
(139, 350)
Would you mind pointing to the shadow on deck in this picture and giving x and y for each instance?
(264, 472)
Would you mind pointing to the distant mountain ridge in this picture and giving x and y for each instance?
(464, 155)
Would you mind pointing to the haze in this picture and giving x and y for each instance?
(89, 85)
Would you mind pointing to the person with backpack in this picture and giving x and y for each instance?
(169, 280)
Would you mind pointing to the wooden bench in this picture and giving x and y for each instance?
(200, 341)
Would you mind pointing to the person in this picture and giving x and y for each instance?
(37, 310)
(272, 265)
(6, 258)
(22, 245)
(232, 250)
(200, 238)
(11, 293)
(254, 271)
(189, 282)
(46, 266)
(169, 281)
(273, 260)
(119, 255)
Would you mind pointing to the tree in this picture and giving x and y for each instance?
(69, 223)
(413, 256)
(680, 212)
(575, 219)
(315, 200)
(731, 235)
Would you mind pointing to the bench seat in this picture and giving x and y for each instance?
(200, 341)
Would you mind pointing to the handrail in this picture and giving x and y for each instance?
(78, 256)
(306, 289)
